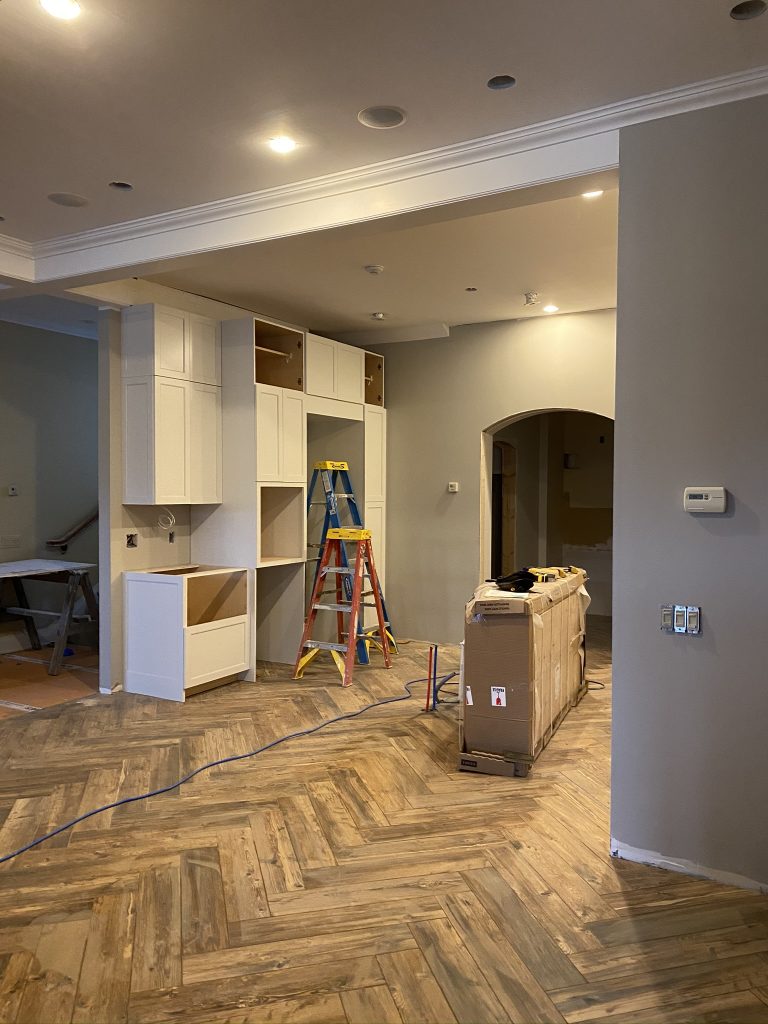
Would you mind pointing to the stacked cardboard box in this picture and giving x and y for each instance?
(523, 669)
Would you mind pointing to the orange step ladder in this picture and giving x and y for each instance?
(335, 562)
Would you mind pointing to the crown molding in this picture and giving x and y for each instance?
(562, 147)
(17, 259)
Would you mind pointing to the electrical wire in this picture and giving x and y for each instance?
(213, 764)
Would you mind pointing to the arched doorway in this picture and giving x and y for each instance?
(547, 496)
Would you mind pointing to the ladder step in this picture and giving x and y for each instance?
(332, 607)
(326, 647)
(339, 569)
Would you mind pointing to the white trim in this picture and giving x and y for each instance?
(686, 867)
(563, 147)
(17, 259)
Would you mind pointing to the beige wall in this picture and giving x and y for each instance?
(441, 396)
(48, 428)
(690, 757)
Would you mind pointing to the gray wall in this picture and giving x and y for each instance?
(690, 756)
(48, 449)
(441, 396)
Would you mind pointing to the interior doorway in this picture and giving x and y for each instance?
(552, 497)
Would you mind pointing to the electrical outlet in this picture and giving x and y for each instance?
(667, 619)
(131, 540)
(453, 487)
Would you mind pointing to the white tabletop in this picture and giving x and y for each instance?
(40, 567)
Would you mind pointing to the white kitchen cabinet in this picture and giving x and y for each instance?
(375, 419)
(281, 435)
(186, 629)
(205, 454)
(171, 442)
(170, 343)
(334, 370)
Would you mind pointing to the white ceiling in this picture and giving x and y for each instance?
(178, 96)
(547, 239)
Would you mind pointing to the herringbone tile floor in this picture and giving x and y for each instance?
(353, 876)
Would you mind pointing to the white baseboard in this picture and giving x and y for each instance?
(686, 867)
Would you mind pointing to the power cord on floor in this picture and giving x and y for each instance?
(222, 760)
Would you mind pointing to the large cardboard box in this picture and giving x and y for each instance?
(522, 671)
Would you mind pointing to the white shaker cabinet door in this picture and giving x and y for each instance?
(375, 453)
(293, 438)
(171, 426)
(350, 371)
(268, 426)
(205, 444)
(204, 350)
(321, 366)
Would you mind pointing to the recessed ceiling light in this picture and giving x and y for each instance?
(594, 194)
(282, 144)
(550, 308)
(382, 117)
(67, 199)
(501, 82)
(64, 9)
(748, 9)
(121, 186)
(378, 316)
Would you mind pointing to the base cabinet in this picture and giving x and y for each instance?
(185, 628)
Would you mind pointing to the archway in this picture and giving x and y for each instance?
(546, 495)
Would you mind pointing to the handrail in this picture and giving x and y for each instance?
(63, 541)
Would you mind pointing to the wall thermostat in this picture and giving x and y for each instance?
(704, 499)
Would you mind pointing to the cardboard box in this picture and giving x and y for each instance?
(522, 672)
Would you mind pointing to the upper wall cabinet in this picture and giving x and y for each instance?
(171, 442)
(170, 343)
(335, 370)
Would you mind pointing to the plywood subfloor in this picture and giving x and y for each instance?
(24, 680)
(353, 876)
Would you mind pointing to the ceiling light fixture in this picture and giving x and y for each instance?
(121, 186)
(501, 82)
(470, 289)
(373, 268)
(378, 316)
(65, 10)
(67, 199)
(550, 308)
(748, 9)
(282, 144)
(382, 117)
(531, 298)
(594, 194)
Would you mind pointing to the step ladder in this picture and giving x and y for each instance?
(330, 475)
(334, 562)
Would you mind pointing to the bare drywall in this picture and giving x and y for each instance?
(690, 758)
(48, 421)
(441, 396)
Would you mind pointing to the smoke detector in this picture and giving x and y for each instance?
(378, 316)
(531, 299)
(373, 268)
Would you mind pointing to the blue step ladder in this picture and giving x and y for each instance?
(330, 475)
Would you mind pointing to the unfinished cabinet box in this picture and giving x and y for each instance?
(374, 379)
(281, 524)
(171, 442)
(185, 629)
(281, 446)
(334, 370)
(170, 343)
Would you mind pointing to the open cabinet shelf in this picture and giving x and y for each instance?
(281, 524)
(278, 356)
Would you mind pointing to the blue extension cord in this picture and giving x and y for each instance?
(222, 760)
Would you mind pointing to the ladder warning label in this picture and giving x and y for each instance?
(499, 696)
(468, 696)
